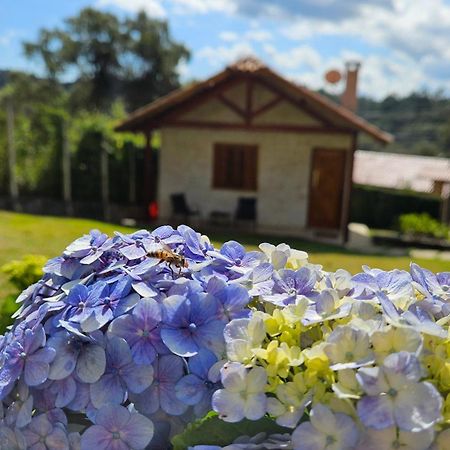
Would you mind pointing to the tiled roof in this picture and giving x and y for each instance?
(396, 171)
(138, 120)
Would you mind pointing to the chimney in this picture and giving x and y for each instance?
(349, 97)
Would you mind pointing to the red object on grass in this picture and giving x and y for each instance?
(153, 210)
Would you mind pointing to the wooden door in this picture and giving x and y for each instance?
(326, 188)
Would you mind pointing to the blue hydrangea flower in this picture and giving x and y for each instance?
(234, 260)
(118, 428)
(122, 375)
(106, 302)
(26, 354)
(12, 438)
(141, 330)
(20, 410)
(395, 284)
(233, 299)
(42, 434)
(197, 387)
(74, 353)
(90, 247)
(190, 324)
(258, 281)
(290, 284)
(395, 395)
(134, 245)
(168, 370)
(434, 286)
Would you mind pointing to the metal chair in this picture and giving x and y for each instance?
(246, 211)
(180, 207)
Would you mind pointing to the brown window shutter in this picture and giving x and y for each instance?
(250, 168)
(219, 174)
(235, 166)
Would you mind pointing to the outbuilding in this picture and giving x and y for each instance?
(249, 134)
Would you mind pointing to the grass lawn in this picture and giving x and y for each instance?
(22, 234)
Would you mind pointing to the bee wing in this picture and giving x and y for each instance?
(154, 247)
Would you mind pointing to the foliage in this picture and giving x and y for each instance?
(419, 122)
(357, 361)
(210, 430)
(26, 271)
(379, 208)
(135, 59)
(422, 225)
(21, 274)
(8, 307)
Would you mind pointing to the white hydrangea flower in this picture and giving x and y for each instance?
(243, 394)
(394, 340)
(243, 335)
(325, 431)
(348, 348)
(393, 439)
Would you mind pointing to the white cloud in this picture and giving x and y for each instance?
(203, 6)
(228, 36)
(258, 35)
(152, 7)
(219, 56)
(299, 57)
(8, 37)
(254, 34)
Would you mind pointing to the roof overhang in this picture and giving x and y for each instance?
(156, 114)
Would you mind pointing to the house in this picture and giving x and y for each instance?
(247, 132)
(427, 174)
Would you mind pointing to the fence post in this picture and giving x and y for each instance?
(132, 174)
(66, 170)
(104, 169)
(13, 187)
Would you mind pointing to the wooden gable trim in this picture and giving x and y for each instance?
(231, 105)
(301, 104)
(247, 114)
(249, 100)
(252, 127)
(268, 106)
(194, 102)
(312, 102)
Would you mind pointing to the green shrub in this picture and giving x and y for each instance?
(8, 307)
(26, 271)
(21, 274)
(422, 225)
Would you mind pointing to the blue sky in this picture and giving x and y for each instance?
(403, 45)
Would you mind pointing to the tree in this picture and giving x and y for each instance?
(155, 57)
(134, 59)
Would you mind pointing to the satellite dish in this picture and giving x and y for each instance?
(333, 76)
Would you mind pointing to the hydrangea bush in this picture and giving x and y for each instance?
(116, 349)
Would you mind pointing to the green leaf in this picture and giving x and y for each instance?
(213, 431)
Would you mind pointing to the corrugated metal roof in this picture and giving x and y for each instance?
(396, 171)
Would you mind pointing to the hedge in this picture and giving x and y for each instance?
(380, 208)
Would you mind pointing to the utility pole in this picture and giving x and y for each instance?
(13, 187)
(66, 171)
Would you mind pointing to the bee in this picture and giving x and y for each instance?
(164, 253)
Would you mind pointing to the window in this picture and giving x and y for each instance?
(235, 167)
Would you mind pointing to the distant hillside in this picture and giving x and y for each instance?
(420, 123)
